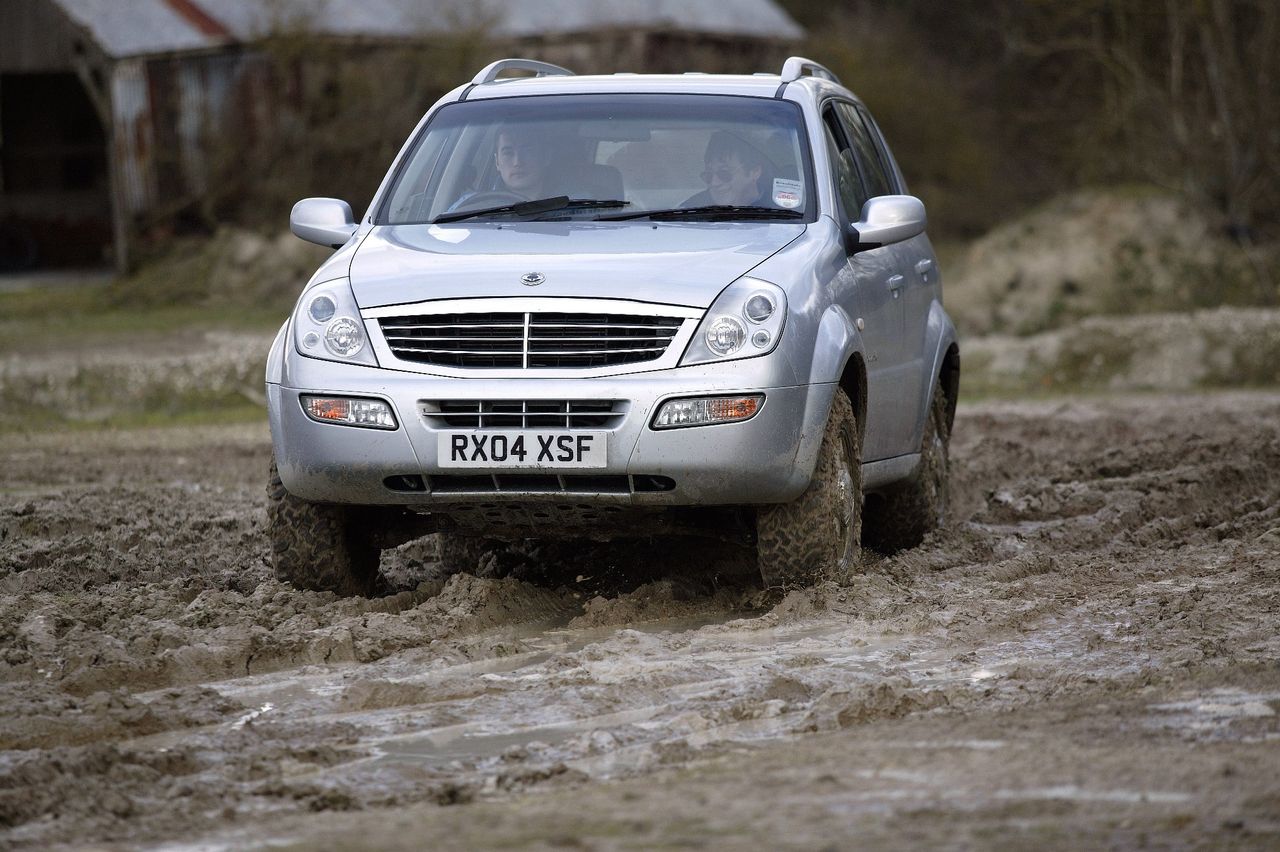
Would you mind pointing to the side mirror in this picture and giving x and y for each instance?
(888, 219)
(323, 221)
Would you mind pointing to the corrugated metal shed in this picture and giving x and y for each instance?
(166, 82)
(139, 27)
(149, 27)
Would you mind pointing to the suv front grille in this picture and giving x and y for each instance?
(529, 340)
(523, 413)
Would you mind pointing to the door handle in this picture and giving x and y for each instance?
(895, 284)
(924, 266)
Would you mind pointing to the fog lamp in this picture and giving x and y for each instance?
(707, 410)
(372, 413)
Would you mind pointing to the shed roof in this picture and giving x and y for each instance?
(142, 27)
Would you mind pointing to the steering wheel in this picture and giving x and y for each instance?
(492, 198)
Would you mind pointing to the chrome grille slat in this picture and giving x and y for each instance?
(480, 338)
(391, 327)
(602, 339)
(529, 340)
(549, 348)
(523, 413)
(602, 325)
(460, 351)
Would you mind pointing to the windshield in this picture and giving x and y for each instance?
(602, 157)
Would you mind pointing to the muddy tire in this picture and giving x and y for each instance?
(908, 511)
(318, 546)
(818, 535)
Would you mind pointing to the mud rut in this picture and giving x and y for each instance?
(1089, 655)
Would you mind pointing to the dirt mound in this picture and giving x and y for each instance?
(1225, 347)
(234, 266)
(1103, 252)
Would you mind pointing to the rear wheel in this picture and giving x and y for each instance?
(909, 510)
(322, 547)
(817, 535)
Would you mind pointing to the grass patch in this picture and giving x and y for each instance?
(224, 414)
(49, 320)
(234, 280)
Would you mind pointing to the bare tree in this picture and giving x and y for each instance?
(1188, 93)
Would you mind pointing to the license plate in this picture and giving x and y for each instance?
(522, 449)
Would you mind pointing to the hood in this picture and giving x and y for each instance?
(670, 263)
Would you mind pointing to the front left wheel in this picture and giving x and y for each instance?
(907, 511)
(318, 546)
(818, 535)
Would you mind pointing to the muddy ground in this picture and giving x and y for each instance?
(1088, 656)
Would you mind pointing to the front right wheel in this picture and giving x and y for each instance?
(318, 546)
(817, 535)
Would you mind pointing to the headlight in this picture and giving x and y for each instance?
(322, 308)
(746, 320)
(344, 337)
(759, 307)
(726, 336)
(327, 324)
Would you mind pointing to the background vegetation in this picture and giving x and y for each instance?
(996, 106)
(1101, 179)
(991, 106)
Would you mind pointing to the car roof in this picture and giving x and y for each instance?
(749, 85)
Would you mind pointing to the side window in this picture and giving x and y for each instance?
(874, 169)
(895, 174)
(848, 181)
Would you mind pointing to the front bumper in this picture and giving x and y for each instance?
(767, 459)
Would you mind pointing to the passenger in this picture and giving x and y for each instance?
(735, 172)
(523, 159)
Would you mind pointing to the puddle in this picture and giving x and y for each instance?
(1221, 714)
(1072, 793)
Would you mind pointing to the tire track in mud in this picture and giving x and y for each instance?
(156, 681)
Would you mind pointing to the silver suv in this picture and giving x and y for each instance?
(622, 305)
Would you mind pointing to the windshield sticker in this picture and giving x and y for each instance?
(787, 193)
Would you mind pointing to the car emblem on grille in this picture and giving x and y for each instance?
(532, 279)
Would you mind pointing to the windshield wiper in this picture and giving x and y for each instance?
(589, 204)
(714, 211)
(532, 208)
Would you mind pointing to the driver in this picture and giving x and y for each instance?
(523, 159)
(735, 170)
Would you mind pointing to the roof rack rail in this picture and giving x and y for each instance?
(491, 71)
(793, 69)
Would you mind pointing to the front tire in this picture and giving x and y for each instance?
(817, 535)
(910, 510)
(321, 547)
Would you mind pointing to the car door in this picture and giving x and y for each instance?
(875, 299)
(920, 267)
